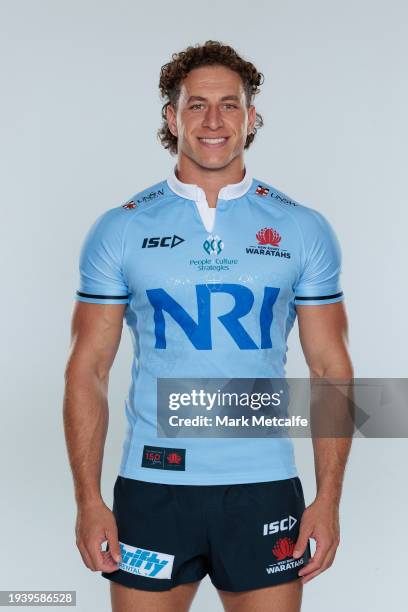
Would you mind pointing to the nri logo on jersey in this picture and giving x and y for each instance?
(199, 333)
(147, 563)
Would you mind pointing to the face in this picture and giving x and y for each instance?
(212, 119)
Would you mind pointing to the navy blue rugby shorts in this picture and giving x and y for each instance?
(241, 535)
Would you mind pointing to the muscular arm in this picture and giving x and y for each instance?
(323, 334)
(95, 336)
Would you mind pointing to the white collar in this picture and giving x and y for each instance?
(195, 193)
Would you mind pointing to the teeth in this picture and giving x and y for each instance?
(213, 140)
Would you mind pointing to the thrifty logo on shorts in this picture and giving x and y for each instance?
(147, 563)
(161, 458)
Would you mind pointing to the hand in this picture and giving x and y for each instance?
(320, 521)
(95, 524)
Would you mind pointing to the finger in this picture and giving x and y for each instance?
(113, 543)
(104, 560)
(109, 565)
(301, 542)
(327, 562)
(98, 555)
(317, 559)
(309, 577)
(319, 563)
(87, 558)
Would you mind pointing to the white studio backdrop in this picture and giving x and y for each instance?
(79, 112)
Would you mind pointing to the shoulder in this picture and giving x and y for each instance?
(119, 216)
(303, 216)
(145, 198)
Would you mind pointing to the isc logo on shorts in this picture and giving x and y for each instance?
(147, 563)
(284, 524)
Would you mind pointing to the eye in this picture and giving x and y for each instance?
(230, 106)
(196, 106)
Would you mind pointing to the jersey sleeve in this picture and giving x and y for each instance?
(101, 278)
(319, 279)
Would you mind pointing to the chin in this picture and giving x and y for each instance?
(213, 162)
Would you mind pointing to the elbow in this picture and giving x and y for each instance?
(335, 366)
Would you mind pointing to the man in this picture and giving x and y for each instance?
(210, 268)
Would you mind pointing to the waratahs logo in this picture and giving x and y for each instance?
(268, 235)
(283, 551)
(174, 458)
(213, 245)
(283, 548)
(268, 244)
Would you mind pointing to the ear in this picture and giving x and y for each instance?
(251, 118)
(171, 119)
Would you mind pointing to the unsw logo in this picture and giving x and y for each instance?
(264, 191)
(146, 198)
(284, 524)
(268, 242)
(129, 205)
(144, 562)
(165, 241)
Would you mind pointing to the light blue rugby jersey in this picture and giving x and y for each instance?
(210, 293)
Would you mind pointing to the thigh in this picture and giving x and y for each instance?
(162, 540)
(285, 597)
(253, 530)
(128, 599)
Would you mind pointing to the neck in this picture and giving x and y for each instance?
(210, 181)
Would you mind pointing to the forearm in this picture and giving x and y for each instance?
(85, 423)
(331, 453)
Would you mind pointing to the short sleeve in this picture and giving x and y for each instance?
(319, 279)
(101, 279)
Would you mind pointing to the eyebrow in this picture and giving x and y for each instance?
(201, 99)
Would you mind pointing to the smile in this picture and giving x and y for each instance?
(213, 142)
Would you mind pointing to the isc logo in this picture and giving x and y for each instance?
(285, 524)
(165, 241)
(199, 332)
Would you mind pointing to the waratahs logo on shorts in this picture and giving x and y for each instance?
(148, 563)
(213, 245)
(268, 244)
(283, 551)
(283, 548)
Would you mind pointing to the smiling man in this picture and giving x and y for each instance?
(210, 268)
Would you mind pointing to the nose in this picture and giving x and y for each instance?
(213, 118)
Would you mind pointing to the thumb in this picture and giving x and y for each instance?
(113, 542)
(301, 543)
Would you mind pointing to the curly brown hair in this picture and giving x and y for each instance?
(210, 53)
